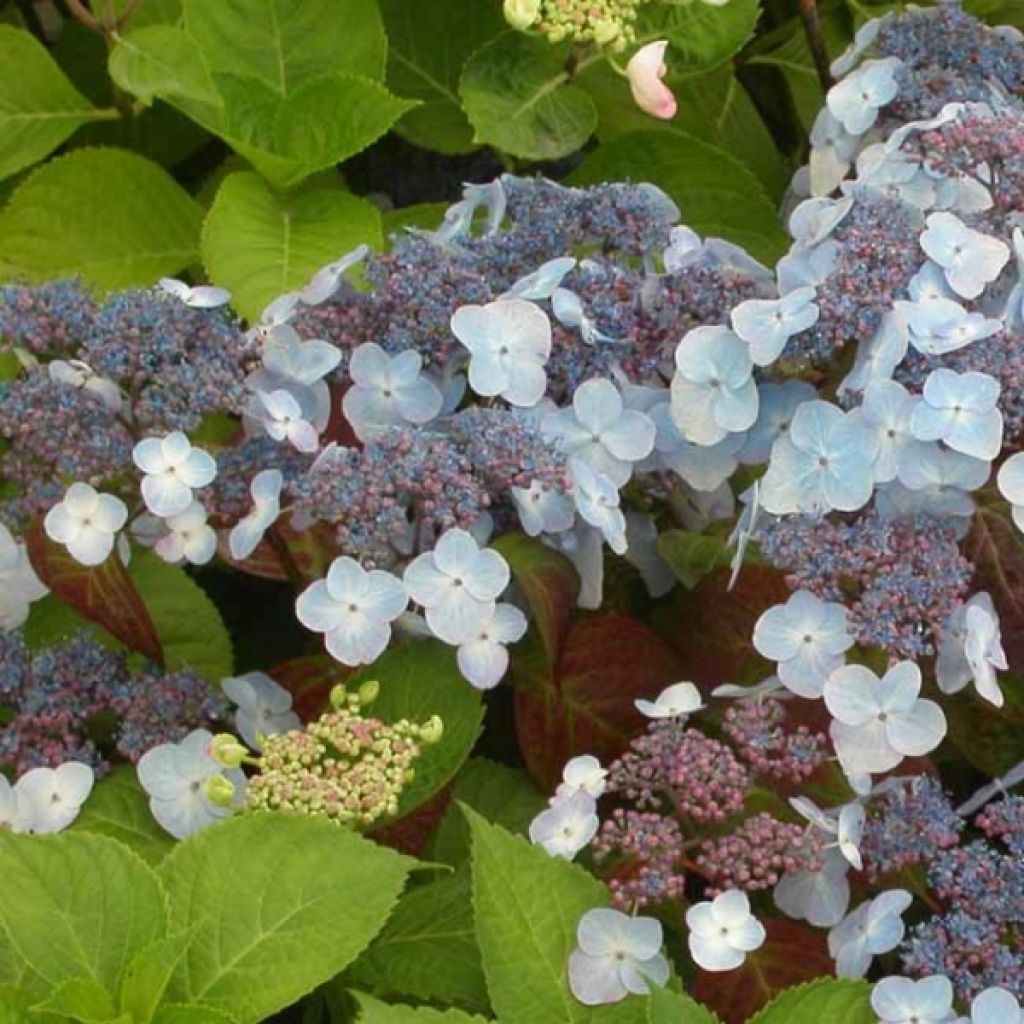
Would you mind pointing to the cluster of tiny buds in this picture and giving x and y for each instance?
(345, 767)
(757, 730)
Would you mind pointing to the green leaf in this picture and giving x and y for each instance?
(428, 46)
(527, 905)
(39, 107)
(716, 194)
(997, 12)
(502, 795)
(82, 999)
(515, 93)
(700, 35)
(836, 1000)
(260, 245)
(418, 680)
(77, 906)
(106, 215)
(190, 628)
(372, 1011)
(287, 42)
(421, 215)
(427, 949)
(692, 556)
(186, 1013)
(667, 1007)
(149, 974)
(118, 807)
(279, 904)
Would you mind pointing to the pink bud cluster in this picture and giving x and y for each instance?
(757, 728)
(644, 851)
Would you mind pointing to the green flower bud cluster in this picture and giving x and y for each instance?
(345, 767)
(603, 22)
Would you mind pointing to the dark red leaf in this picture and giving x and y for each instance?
(586, 705)
(792, 954)
(549, 582)
(310, 680)
(411, 833)
(311, 550)
(104, 594)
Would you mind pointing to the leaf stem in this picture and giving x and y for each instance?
(284, 556)
(815, 40)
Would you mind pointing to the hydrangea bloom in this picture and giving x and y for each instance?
(567, 826)
(677, 700)
(960, 409)
(19, 585)
(484, 660)
(49, 799)
(723, 931)
(767, 324)
(582, 773)
(971, 260)
(247, 533)
(1011, 486)
(173, 470)
(875, 927)
(187, 537)
(902, 1001)
(645, 70)
(264, 708)
(86, 522)
(970, 650)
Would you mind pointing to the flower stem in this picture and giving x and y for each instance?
(815, 40)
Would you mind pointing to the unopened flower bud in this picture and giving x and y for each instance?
(227, 751)
(606, 32)
(339, 696)
(368, 692)
(521, 14)
(219, 791)
(432, 731)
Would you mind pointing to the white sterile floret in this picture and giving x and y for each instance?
(723, 931)
(567, 308)
(886, 410)
(970, 259)
(856, 100)
(940, 479)
(1011, 486)
(388, 391)
(684, 249)
(713, 388)
(996, 1006)
(187, 537)
(703, 467)
(198, 297)
(642, 553)
(328, 279)
(904, 1001)
(863, 40)
(509, 342)
(567, 826)
(970, 649)
(743, 531)
(616, 955)
(247, 533)
(173, 469)
(878, 722)
(818, 897)
(19, 585)
(779, 403)
(772, 686)
(940, 325)
(960, 409)
(86, 523)
(543, 510)
(484, 660)
(47, 800)
(892, 174)
(875, 927)
(178, 777)
(599, 430)
(542, 282)
(597, 500)
(264, 708)
(832, 151)
(806, 267)
(815, 219)
(767, 324)
(281, 416)
(673, 702)
(76, 374)
(582, 774)
(353, 608)
(846, 824)
(824, 462)
(807, 637)
(457, 584)
(878, 356)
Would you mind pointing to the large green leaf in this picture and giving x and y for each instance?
(692, 556)
(288, 42)
(81, 999)
(416, 681)
(502, 795)
(701, 35)
(716, 194)
(260, 245)
(516, 94)
(106, 215)
(279, 904)
(428, 46)
(39, 107)
(190, 628)
(836, 1000)
(118, 807)
(373, 1011)
(77, 906)
(427, 949)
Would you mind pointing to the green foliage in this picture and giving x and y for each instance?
(106, 215)
(416, 681)
(118, 807)
(372, 1011)
(260, 244)
(39, 107)
(836, 1000)
(692, 556)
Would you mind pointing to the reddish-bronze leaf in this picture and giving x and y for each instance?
(586, 705)
(104, 594)
(411, 833)
(549, 582)
(310, 680)
(712, 627)
(793, 953)
(311, 550)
